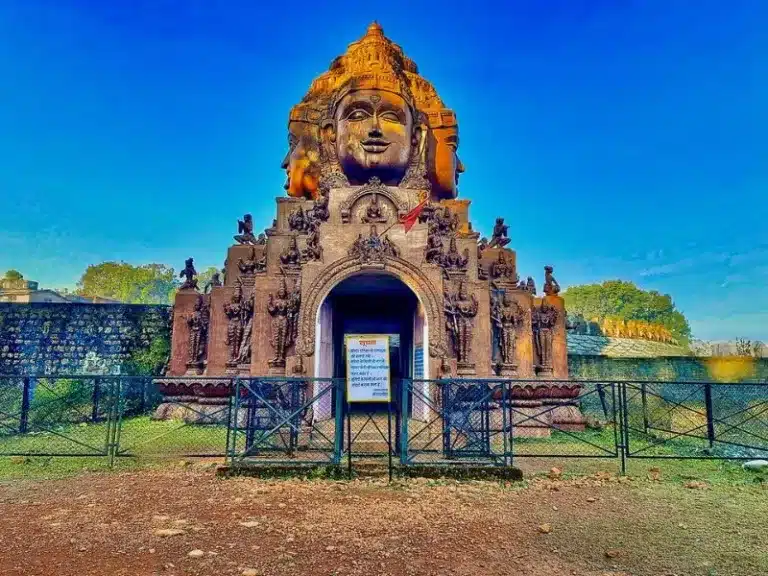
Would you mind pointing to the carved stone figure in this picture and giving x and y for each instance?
(298, 221)
(320, 212)
(543, 321)
(433, 253)
(198, 324)
(374, 213)
(314, 250)
(499, 237)
(443, 164)
(245, 231)
(502, 270)
(239, 313)
(189, 274)
(551, 287)
(214, 282)
(460, 312)
(507, 317)
(447, 222)
(530, 286)
(253, 264)
(452, 260)
(482, 244)
(284, 309)
(262, 239)
(291, 256)
(374, 248)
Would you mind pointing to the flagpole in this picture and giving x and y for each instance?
(398, 221)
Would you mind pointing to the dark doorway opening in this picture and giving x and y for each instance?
(375, 304)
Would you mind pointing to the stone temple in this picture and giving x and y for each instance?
(371, 237)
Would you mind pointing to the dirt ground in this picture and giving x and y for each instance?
(148, 522)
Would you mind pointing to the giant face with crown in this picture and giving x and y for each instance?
(378, 114)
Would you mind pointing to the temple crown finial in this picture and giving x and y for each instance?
(374, 28)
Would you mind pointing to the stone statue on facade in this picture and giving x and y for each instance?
(500, 236)
(245, 231)
(189, 274)
(198, 324)
(319, 211)
(239, 313)
(298, 221)
(453, 260)
(373, 248)
(253, 264)
(544, 320)
(433, 253)
(551, 287)
(374, 212)
(503, 270)
(284, 309)
(460, 312)
(313, 251)
(507, 317)
(291, 256)
(447, 222)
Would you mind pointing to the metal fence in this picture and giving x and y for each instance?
(451, 422)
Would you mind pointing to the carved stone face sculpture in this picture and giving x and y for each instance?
(301, 163)
(373, 135)
(443, 161)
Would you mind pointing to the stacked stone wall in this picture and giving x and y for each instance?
(47, 338)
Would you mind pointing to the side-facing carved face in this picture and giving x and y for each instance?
(301, 163)
(444, 163)
(374, 136)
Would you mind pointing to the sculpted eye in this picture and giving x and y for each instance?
(390, 116)
(358, 114)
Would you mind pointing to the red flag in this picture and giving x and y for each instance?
(408, 220)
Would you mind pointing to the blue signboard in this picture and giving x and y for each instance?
(418, 363)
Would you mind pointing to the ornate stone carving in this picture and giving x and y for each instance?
(313, 251)
(460, 311)
(291, 256)
(189, 274)
(253, 264)
(502, 270)
(239, 313)
(298, 221)
(433, 253)
(374, 187)
(447, 222)
(528, 285)
(401, 108)
(410, 273)
(452, 261)
(551, 287)
(373, 248)
(198, 324)
(543, 321)
(374, 213)
(319, 211)
(284, 309)
(482, 244)
(500, 237)
(507, 317)
(261, 240)
(245, 231)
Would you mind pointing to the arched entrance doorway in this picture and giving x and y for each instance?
(372, 303)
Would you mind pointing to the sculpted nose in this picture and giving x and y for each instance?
(375, 131)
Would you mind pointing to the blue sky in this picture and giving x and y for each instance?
(621, 139)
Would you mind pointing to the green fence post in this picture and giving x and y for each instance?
(404, 409)
(336, 398)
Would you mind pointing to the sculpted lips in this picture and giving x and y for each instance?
(375, 145)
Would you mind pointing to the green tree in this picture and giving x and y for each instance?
(14, 275)
(147, 284)
(625, 300)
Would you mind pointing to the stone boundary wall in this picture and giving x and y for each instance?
(52, 338)
(729, 368)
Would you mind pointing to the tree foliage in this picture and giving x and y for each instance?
(620, 299)
(205, 276)
(13, 275)
(147, 284)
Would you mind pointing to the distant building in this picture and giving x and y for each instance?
(27, 292)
